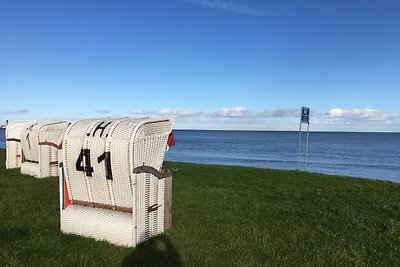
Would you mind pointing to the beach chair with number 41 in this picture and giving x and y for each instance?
(112, 186)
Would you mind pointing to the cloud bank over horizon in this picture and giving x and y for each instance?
(239, 117)
(14, 112)
(242, 118)
(102, 111)
(359, 114)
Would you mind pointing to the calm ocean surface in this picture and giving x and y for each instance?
(370, 155)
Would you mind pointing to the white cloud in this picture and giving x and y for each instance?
(177, 112)
(277, 113)
(14, 112)
(141, 112)
(359, 114)
(103, 111)
(166, 112)
(231, 112)
(285, 112)
(239, 117)
(243, 112)
(239, 112)
(230, 7)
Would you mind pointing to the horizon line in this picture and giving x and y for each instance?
(315, 131)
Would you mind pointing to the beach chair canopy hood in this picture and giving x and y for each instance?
(14, 153)
(40, 142)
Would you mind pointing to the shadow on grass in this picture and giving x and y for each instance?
(158, 251)
(13, 238)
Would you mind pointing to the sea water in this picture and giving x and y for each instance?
(369, 155)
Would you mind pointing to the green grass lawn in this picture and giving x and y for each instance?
(222, 216)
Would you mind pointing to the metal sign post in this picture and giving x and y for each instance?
(298, 152)
(304, 118)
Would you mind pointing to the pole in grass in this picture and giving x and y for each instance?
(308, 133)
(304, 118)
(298, 151)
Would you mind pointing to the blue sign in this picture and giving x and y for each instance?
(305, 115)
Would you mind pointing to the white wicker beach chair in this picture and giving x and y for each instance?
(40, 143)
(14, 153)
(111, 180)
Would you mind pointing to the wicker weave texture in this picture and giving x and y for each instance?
(40, 143)
(101, 224)
(14, 154)
(99, 157)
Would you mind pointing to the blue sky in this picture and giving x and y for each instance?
(210, 64)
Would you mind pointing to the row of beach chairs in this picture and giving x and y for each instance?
(112, 186)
